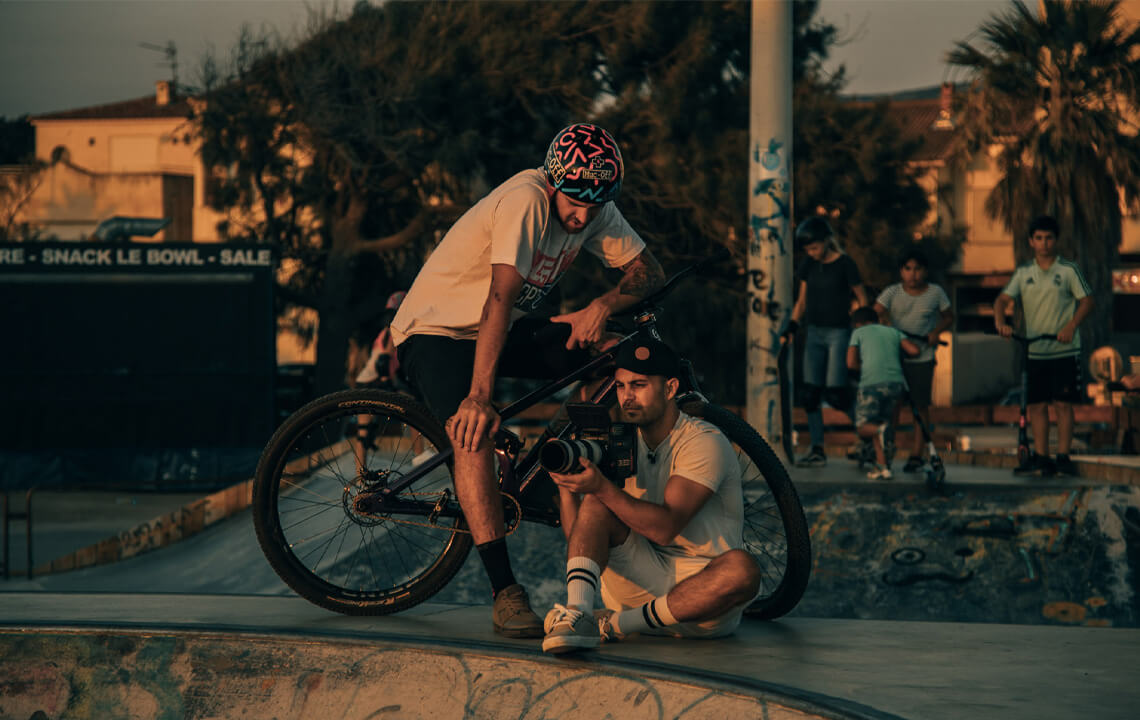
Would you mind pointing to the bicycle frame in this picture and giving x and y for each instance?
(382, 499)
(516, 477)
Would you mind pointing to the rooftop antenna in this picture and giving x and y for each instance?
(171, 53)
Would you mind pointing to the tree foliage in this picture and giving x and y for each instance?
(17, 140)
(17, 186)
(369, 137)
(18, 181)
(374, 133)
(1058, 96)
(851, 163)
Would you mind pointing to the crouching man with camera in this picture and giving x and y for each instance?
(664, 550)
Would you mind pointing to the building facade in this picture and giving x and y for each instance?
(136, 158)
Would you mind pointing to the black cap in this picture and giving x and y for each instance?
(647, 356)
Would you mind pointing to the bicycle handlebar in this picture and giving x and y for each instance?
(719, 255)
(1023, 339)
(916, 336)
(552, 333)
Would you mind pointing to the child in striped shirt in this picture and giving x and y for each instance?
(921, 311)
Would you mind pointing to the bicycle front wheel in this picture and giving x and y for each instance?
(775, 529)
(309, 524)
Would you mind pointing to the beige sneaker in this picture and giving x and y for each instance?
(569, 629)
(880, 472)
(606, 629)
(512, 615)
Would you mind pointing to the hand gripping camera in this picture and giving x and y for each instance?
(609, 445)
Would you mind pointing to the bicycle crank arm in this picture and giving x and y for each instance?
(405, 481)
(377, 503)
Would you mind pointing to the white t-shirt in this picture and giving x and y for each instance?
(697, 451)
(513, 225)
(917, 314)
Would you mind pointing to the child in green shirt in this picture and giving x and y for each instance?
(874, 350)
(1055, 300)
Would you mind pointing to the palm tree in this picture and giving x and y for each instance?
(1058, 93)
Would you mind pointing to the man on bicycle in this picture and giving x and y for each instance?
(664, 549)
(456, 331)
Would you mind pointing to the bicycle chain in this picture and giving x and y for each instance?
(510, 527)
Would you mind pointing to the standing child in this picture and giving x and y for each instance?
(380, 368)
(1055, 300)
(827, 279)
(874, 350)
(916, 307)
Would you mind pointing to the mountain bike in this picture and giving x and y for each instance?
(355, 508)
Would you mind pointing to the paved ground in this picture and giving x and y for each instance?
(284, 657)
(994, 549)
(217, 582)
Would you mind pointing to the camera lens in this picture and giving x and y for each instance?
(561, 456)
(556, 456)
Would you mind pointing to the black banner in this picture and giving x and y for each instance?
(129, 257)
(133, 350)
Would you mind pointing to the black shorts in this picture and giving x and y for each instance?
(440, 368)
(1054, 379)
(920, 379)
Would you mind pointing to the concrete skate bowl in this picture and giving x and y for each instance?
(108, 673)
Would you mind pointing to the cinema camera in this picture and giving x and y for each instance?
(609, 445)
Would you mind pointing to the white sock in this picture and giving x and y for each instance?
(653, 615)
(582, 582)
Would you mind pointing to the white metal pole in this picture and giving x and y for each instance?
(769, 209)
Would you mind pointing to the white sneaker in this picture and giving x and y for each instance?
(569, 629)
(880, 472)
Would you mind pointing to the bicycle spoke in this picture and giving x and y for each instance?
(408, 542)
(298, 542)
(306, 520)
(323, 546)
(305, 488)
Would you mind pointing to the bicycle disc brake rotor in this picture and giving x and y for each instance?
(370, 481)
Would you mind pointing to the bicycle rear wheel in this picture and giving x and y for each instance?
(316, 538)
(775, 529)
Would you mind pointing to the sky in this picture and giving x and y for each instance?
(66, 54)
(888, 46)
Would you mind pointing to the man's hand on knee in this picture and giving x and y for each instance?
(473, 424)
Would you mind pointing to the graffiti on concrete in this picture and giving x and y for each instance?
(1030, 556)
(109, 674)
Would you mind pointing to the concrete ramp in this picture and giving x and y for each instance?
(117, 673)
(116, 655)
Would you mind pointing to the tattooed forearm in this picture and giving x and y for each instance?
(642, 276)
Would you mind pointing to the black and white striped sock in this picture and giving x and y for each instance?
(582, 583)
(653, 615)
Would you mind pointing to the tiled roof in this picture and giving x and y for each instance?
(917, 119)
(144, 107)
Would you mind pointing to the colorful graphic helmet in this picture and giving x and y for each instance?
(395, 299)
(814, 230)
(584, 163)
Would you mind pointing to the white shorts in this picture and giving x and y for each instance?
(637, 573)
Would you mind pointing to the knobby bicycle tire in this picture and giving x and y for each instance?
(775, 529)
(319, 460)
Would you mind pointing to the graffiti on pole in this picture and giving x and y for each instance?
(768, 297)
(768, 227)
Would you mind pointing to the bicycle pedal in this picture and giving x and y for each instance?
(508, 442)
(444, 497)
